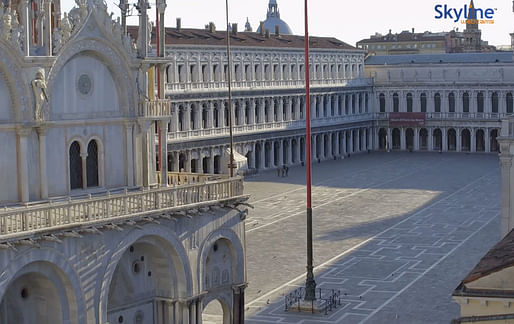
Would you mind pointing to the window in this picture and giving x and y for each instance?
(494, 103)
(480, 102)
(437, 103)
(75, 166)
(409, 102)
(396, 103)
(465, 102)
(92, 164)
(451, 102)
(382, 102)
(423, 99)
(510, 103)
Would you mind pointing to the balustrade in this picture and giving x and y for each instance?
(70, 214)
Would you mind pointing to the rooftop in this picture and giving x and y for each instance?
(486, 57)
(501, 256)
(189, 36)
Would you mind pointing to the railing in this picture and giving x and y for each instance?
(327, 300)
(182, 178)
(448, 115)
(20, 221)
(155, 108)
(212, 85)
(270, 126)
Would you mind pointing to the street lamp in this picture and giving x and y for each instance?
(310, 284)
(231, 165)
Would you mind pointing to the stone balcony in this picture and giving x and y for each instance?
(269, 126)
(263, 84)
(154, 108)
(115, 209)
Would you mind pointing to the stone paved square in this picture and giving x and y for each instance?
(395, 232)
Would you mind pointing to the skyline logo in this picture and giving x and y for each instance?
(466, 15)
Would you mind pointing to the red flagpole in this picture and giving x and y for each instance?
(310, 284)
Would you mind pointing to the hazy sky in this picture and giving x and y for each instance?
(347, 20)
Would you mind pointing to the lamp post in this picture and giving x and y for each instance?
(310, 284)
(231, 165)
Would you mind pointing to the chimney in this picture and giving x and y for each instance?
(262, 28)
(277, 30)
(267, 33)
(212, 27)
(413, 30)
(179, 24)
(234, 29)
(390, 31)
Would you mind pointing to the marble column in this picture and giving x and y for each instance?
(403, 144)
(430, 139)
(23, 165)
(43, 180)
(458, 136)
(164, 152)
(473, 144)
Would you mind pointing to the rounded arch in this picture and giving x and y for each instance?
(237, 251)
(113, 60)
(18, 88)
(50, 263)
(168, 241)
(225, 303)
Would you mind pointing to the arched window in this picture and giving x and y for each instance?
(465, 102)
(396, 103)
(382, 102)
(92, 164)
(510, 103)
(494, 103)
(75, 166)
(409, 102)
(423, 99)
(437, 103)
(480, 102)
(451, 102)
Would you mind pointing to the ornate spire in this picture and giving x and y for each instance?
(248, 27)
(273, 9)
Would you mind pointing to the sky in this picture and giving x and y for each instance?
(347, 20)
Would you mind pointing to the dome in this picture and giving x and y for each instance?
(273, 19)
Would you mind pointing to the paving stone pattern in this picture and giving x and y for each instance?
(395, 232)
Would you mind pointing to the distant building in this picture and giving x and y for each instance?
(469, 40)
(273, 20)
(425, 43)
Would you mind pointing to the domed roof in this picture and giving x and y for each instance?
(273, 19)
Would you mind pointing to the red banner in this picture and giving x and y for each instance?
(407, 119)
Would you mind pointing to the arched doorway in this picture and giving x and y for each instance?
(276, 153)
(267, 153)
(396, 139)
(465, 140)
(438, 139)
(294, 151)
(145, 282)
(258, 153)
(217, 164)
(205, 164)
(382, 139)
(409, 139)
(40, 293)
(214, 313)
(480, 142)
(423, 139)
(494, 142)
(302, 150)
(219, 273)
(452, 140)
(182, 162)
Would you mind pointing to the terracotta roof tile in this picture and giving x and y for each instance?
(501, 256)
(187, 36)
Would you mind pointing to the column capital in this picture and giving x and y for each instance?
(41, 130)
(23, 131)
